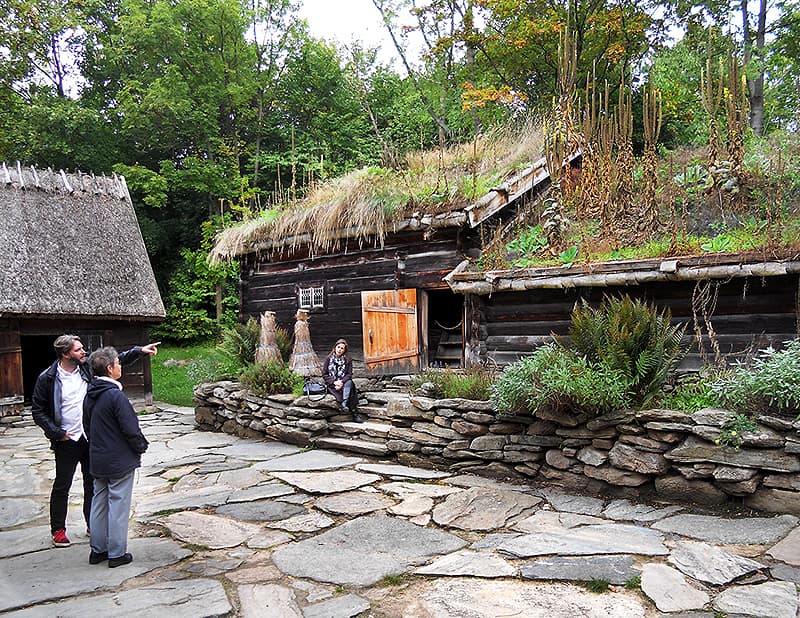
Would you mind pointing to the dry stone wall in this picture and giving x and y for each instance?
(638, 453)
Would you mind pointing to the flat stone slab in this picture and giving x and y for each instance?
(15, 511)
(770, 600)
(327, 482)
(613, 569)
(669, 590)
(362, 551)
(402, 471)
(262, 510)
(413, 506)
(544, 521)
(26, 540)
(481, 508)
(587, 541)
(407, 490)
(470, 480)
(258, 450)
(752, 530)
(785, 572)
(170, 501)
(259, 492)
(787, 550)
(305, 522)
(469, 563)
(710, 564)
(316, 459)
(187, 598)
(233, 479)
(273, 600)
(20, 480)
(482, 598)
(625, 510)
(353, 503)
(345, 606)
(584, 505)
(209, 530)
(63, 572)
(201, 440)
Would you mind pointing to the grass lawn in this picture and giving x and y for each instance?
(171, 382)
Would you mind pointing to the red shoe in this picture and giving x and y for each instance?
(60, 538)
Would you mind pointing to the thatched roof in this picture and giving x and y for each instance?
(71, 246)
(626, 272)
(436, 189)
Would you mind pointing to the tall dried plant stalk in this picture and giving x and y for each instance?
(711, 95)
(737, 116)
(651, 116)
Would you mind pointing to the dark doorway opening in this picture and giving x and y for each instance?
(37, 355)
(445, 329)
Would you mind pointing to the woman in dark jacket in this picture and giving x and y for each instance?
(116, 444)
(337, 371)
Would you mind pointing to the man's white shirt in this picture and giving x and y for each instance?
(73, 391)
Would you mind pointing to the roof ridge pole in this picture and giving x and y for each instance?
(6, 174)
(119, 183)
(35, 177)
(21, 178)
(66, 182)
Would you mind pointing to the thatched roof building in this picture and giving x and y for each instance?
(73, 260)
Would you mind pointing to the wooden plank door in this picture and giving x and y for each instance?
(10, 361)
(390, 333)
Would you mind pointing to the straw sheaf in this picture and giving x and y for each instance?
(72, 247)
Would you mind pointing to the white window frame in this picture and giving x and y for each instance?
(312, 297)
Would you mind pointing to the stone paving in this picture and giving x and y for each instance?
(224, 526)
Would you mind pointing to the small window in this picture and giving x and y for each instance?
(311, 298)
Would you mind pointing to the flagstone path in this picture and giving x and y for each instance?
(224, 526)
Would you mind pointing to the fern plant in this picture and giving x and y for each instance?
(631, 338)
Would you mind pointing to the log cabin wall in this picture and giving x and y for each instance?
(746, 314)
(408, 260)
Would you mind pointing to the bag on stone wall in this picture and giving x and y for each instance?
(312, 388)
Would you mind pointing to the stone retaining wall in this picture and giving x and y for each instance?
(661, 452)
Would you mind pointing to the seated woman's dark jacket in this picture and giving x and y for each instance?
(330, 379)
(115, 439)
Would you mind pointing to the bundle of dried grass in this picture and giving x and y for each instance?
(303, 361)
(267, 349)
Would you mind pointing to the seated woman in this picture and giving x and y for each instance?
(337, 371)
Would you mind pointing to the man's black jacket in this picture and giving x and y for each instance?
(46, 400)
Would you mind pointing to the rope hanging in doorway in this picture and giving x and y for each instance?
(443, 327)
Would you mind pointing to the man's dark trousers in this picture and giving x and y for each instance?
(68, 455)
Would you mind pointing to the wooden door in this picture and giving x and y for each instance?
(390, 333)
(10, 361)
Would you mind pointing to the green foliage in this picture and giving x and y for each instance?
(597, 585)
(173, 368)
(771, 383)
(239, 342)
(529, 242)
(270, 378)
(634, 583)
(720, 242)
(568, 255)
(690, 395)
(630, 338)
(733, 428)
(191, 301)
(557, 379)
(471, 383)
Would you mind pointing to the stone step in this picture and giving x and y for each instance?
(355, 446)
(370, 428)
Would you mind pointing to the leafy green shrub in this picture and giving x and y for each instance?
(557, 379)
(631, 338)
(239, 342)
(771, 383)
(270, 378)
(733, 428)
(471, 383)
(691, 395)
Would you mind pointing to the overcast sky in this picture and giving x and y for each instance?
(348, 20)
